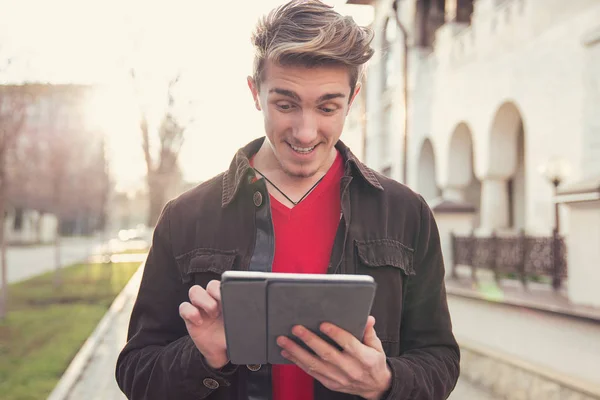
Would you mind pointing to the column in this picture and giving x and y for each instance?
(583, 203)
(494, 205)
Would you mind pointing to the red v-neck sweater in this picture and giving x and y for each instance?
(304, 238)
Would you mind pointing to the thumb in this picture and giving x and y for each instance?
(370, 338)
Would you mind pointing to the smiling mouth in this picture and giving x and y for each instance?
(302, 150)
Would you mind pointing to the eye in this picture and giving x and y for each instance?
(328, 110)
(284, 106)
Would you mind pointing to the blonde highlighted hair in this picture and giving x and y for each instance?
(310, 33)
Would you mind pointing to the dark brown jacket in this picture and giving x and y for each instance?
(386, 231)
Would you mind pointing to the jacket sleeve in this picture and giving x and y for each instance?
(428, 367)
(160, 360)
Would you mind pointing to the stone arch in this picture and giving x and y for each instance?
(427, 182)
(504, 176)
(504, 136)
(461, 183)
(460, 157)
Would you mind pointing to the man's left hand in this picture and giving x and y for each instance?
(360, 369)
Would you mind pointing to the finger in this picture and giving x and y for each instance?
(214, 289)
(324, 350)
(371, 339)
(311, 364)
(344, 339)
(326, 381)
(190, 314)
(370, 323)
(201, 299)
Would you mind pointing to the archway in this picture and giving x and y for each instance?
(462, 184)
(427, 182)
(504, 179)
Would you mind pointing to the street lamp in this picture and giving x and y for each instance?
(555, 170)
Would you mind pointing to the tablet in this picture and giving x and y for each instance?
(258, 307)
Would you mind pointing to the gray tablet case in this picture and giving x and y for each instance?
(259, 307)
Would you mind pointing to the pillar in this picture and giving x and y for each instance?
(494, 215)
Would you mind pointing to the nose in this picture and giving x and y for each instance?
(306, 131)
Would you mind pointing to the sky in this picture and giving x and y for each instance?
(99, 42)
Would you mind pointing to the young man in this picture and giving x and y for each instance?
(296, 201)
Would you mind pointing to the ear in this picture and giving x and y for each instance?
(255, 94)
(356, 91)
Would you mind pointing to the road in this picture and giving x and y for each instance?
(25, 262)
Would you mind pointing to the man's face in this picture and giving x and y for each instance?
(304, 111)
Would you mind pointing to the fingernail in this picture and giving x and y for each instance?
(281, 341)
(298, 330)
(285, 354)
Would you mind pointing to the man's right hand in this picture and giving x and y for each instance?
(204, 322)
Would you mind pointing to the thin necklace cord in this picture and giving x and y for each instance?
(285, 195)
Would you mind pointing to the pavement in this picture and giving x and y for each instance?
(466, 391)
(96, 380)
(567, 345)
(536, 296)
(93, 378)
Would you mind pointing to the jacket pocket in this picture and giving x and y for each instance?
(202, 265)
(390, 263)
(386, 252)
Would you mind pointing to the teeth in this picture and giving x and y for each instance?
(302, 149)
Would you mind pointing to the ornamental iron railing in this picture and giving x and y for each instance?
(527, 258)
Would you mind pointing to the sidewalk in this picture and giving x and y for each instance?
(537, 296)
(567, 346)
(91, 375)
(96, 380)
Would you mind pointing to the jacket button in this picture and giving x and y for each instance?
(254, 367)
(257, 198)
(210, 383)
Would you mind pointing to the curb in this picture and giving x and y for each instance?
(573, 385)
(557, 310)
(82, 358)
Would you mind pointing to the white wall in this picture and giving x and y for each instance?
(584, 274)
(541, 57)
(540, 72)
(591, 111)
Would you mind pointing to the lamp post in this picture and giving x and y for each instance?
(555, 170)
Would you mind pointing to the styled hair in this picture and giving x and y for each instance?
(311, 34)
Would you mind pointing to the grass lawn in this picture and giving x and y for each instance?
(46, 327)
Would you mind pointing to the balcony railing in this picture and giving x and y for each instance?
(527, 258)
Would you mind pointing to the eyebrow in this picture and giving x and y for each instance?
(294, 95)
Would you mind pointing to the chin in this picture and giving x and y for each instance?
(301, 172)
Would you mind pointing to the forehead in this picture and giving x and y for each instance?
(306, 81)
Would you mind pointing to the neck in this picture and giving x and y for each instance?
(293, 186)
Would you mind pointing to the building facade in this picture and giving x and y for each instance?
(503, 97)
(498, 90)
(56, 169)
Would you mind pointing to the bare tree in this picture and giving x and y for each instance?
(162, 166)
(61, 151)
(13, 110)
(58, 170)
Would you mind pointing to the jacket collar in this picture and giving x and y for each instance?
(238, 169)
